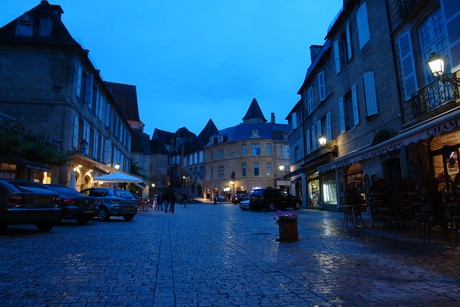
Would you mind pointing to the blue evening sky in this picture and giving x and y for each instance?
(195, 60)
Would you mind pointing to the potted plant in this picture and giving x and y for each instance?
(287, 225)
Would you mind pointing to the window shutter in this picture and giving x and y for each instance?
(89, 91)
(407, 65)
(95, 142)
(354, 101)
(308, 141)
(363, 25)
(370, 93)
(313, 137)
(318, 129)
(341, 115)
(338, 68)
(79, 76)
(328, 126)
(310, 100)
(321, 86)
(75, 133)
(347, 33)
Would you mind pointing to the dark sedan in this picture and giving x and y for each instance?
(113, 202)
(75, 205)
(27, 202)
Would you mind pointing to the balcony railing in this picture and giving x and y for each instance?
(407, 6)
(434, 95)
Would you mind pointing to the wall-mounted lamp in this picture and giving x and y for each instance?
(153, 185)
(322, 140)
(437, 65)
(117, 166)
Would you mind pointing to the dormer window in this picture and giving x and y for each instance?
(24, 27)
(255, 134)
(211, 140)
(45, 27)
(220, 139)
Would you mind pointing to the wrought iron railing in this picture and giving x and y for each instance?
(407, 6)
(434, 95)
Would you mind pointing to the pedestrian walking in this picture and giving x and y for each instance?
(165, 199)
(159, 202)
(172, 199)
(215, 199)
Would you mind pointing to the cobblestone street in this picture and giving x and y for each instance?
(206, 255)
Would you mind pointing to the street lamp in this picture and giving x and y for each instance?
(322, 140)
(437, 65)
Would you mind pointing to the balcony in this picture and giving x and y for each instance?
(407, 7)
(435, 95)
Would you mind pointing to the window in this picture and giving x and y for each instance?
(370, 93)
(321, 86)
(256, 169)
(285, 151)
(269, 169)
(255, 149)
(221, 153)
(363, 25)
(348, 110)
(221, 172)
(211, 173)
(84, 86)
(243, 169)
(294, 120)
(433, 39)
(343, 49)
(24, 27)
(268, 149)
(296, 153)
(45, 28)
(243, 150)
(314, 137)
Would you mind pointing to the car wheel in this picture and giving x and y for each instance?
(297, 206)
(44, 226)
(128, 217)
(271, 206)
(103, 214)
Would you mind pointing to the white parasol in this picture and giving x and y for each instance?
(118, 177)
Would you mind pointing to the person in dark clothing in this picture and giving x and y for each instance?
(169, 198)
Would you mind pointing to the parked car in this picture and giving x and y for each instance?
(113, 202)
(75, 205)
(244, 205)
(28, 202)
(272, 199)
(236, 199)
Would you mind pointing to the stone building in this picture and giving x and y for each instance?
(246, 156)
(50, 86)
(370, 111)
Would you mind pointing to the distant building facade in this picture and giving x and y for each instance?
(247, 156)
(51, 88)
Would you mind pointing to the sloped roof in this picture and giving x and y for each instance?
(126, 97)
(184, 133)
(209, 129)
(44, 11)
(241, 132)
(254, 113)
(157, 146)
(140, 142)
(162, 134)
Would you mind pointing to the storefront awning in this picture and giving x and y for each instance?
(442, 123)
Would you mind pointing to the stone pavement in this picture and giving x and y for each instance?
(205, 255)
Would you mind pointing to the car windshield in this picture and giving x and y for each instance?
(123, 194)
(65, 190)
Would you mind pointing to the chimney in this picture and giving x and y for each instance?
(272, 118)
